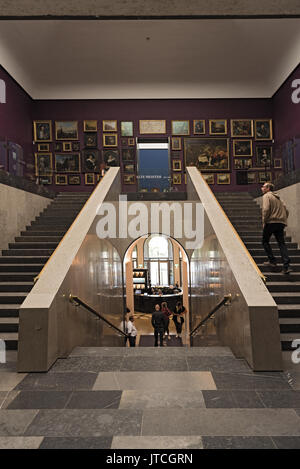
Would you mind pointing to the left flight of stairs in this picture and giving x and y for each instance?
(25, 258)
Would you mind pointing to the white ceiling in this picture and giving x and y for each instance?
(240, 58)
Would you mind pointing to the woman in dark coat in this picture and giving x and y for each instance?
(178, 317)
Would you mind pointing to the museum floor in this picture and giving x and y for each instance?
(170, 397)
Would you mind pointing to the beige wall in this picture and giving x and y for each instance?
(17, 209)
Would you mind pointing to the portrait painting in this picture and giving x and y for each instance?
(128, 178)
(251, 177)
(177, 178)
(90, 126)
(74, 180)
(218, 127)
(209, 178)
(263, 129)
(42, 131)
(66, 130)
(110, 126)
(152, 126)
(207, 154)
(128, 154)
(176, 143)
(111, 157)
(180, 127)
(199, 126)
(126, 128)
(241, 127)
(61, 179)
(242, 147)
(68, 163)
(90, 161)
(90, 140)
(110, 140)
(43, 164)
(223, 178)
(263, 156)
(89, 179)
(176, 165)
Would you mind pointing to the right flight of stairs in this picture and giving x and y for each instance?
(245, 215)
(25, 258)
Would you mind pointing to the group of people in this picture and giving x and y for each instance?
(171, 290)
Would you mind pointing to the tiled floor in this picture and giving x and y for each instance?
(165, 398)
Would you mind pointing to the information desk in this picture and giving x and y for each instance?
(146, 303)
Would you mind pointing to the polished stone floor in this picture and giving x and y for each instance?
(154, 398)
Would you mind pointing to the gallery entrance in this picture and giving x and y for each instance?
(156, 272)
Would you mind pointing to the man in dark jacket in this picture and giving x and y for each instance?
(158, 323)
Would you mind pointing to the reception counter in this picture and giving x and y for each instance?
(146, 303)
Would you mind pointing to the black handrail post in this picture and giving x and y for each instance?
(225, 300)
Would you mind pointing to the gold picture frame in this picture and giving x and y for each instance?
(263, 129)
(61, 179)
(128, 178)
(242, 148)
(180, 127)
(223, 178)
(209, 178)
(131, 142)
(176, 143)
(44, 147)
(251, 177)
(177, 178)
(66, 130)
(110, 140)
(176, 165)
(110, 125)
(90, 125)
(265, 176)
(217, 126)
(42, 131)
(152, 126)
(67, 146)
(199, 126)
(277, 163)
(89, 179)
(241, 127)
(43, 164)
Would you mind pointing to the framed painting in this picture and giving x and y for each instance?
(111, 157)
(90, 140)
(89, 179)
(177, 178)
(90, 126)
(266, 176)
(75, 146)
(43, 164)
(176, 165)
(277, 163)
(74, 180)
(242, 148)
(153, 126)
(131, 142)
(124, 142)
(199, 127)
(207, 154)
(110, 126)
(44, 147)
(263, 129)
(66, 130)
(90, 161)
(67, 146)
(242, 163)
(241, 127)
(61, 179)
(45, 180)
(128, 154)
(110, 140)
(42, 131)
(126, 129)
(209, 178)
(264, 156)
(128, 168)
(251, 178)
(180, 127)
(67, 163)
(176, 143)
(128, 178)
(223, 178)
(58, 146)
(218, 127)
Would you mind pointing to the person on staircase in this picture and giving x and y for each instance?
(274, 219)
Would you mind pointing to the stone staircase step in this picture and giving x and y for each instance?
(9, 325)
(24, 259)
(27, 252)
(287, 339)
(8, 268)
(10, 339)
(286, 298)
(17, 277)
(283, 286)
(16, 286)
(12, 297)
(289, 311)
(39, 228)
(10, 310)
(38, 239)
(31, 245)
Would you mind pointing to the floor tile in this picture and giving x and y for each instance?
(98, 352)
(209, 351)
(9, 380)
(222, 364)
(232, 399)
(40, 400)
(238, 442)
(221, 422)
(287, 442)
(77, 423)
(58, 382)
(157, 442)
(147, 400)
(152, 364)
(10, 396)
(3, 395)
(95, 400)
(87, 364)
(171, 381)
(15, 422)
(20, 442)
(76, 443)
(250, 381)
(280, 399)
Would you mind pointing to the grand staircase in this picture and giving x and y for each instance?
(25, 258)
(245, 215)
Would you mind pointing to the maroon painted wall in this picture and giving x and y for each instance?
(16, 116)
(286, 115)
(134, 110)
